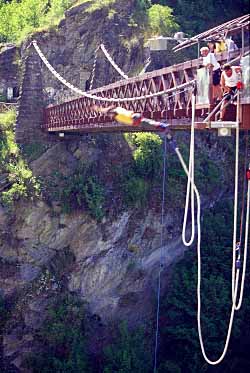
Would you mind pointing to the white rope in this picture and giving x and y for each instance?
(199, 276)
(103, 99)
(93, 69)
(116, 67)
(147, 63)
(190, 190)
(235, 280)
(236, 179)
(238, 306)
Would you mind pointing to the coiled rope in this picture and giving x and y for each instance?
(199, 275)
(103, 99)
(235, 274)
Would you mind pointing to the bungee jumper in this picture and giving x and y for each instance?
(128, 117)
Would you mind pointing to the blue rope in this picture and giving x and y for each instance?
(161, 257)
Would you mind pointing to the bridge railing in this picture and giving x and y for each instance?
(80, 113)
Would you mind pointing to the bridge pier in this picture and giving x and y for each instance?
(31, 103)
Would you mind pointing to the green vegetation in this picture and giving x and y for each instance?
(147, 154)
(19, 176)
(63, 340)
(21, 18)
(145, 174)
(129, 354)
(195, 16)
(33, 151)
(180, 349)
(161, 20)
(77, 191)
(135, 191)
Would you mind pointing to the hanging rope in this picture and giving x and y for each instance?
(235, 270)
(236, 180)
(93, 69)
(238, 306)
(247, 178)
(116, 67)
(103, 99)
(161, 257)
(190, 190)
(199, 274)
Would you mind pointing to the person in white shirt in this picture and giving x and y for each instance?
(210, 62)
(230, 82)
(231, 47)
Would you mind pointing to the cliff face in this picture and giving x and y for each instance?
(112, 264)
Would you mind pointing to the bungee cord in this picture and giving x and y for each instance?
(211, 362)
(238, 305)
(161, 257)
(189, 189)
(235, 267)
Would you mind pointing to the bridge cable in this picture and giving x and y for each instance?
(118, 69)
(147, 63)
(94, 68)
(103, 99)
(161, 257)
(109, 58)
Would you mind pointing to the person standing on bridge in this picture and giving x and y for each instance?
(210, 62)
(230, 83)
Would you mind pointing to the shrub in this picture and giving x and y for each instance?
(135, 191)
(63, 339)
(23, 184)
(129, 353)
(77, 191)
(147, 154)
(161, 20)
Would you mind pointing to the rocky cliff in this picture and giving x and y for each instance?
(112, 264)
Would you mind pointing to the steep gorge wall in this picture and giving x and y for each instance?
(113, 264)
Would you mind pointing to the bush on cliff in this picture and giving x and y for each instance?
(20, 183)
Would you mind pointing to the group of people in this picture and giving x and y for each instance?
(226, 78)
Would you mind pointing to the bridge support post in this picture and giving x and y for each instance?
(31, 103)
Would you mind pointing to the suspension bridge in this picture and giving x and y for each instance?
(163, 94)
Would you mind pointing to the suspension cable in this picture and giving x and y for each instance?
(94, 68)
(116, 67)
(161, 257)
(103, 99)
(147, 63)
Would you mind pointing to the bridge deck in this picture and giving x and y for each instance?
(175, 108)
